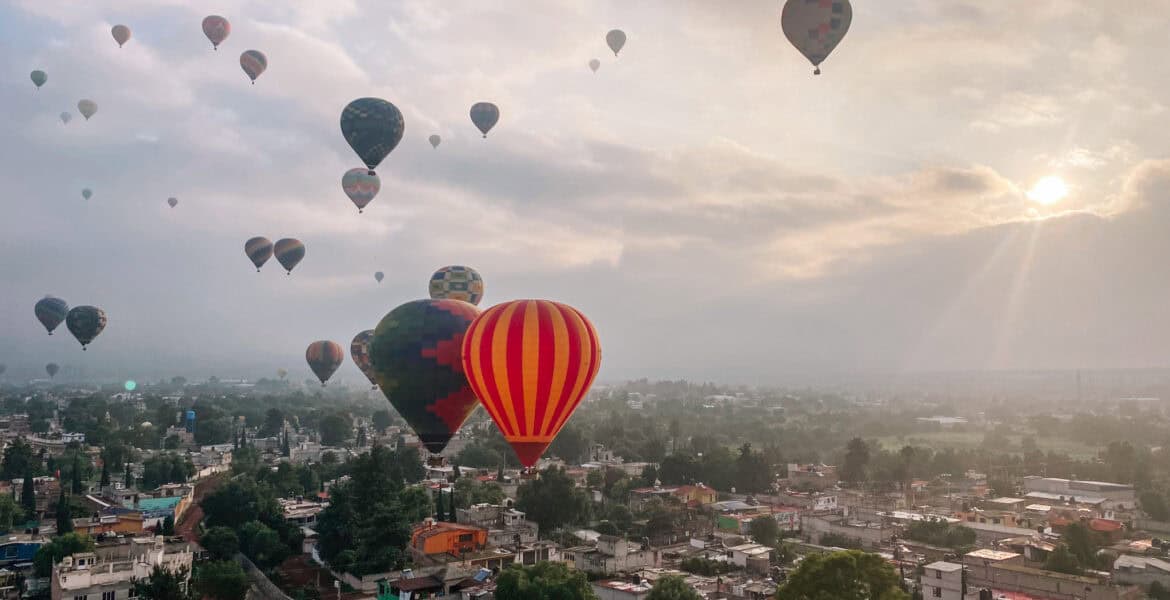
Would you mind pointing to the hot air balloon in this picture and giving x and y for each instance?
(289, 252)
(85, 323)
(816, 27)
(485, 115)
(324, 357)
(616, 38)
(594, 65)
(121, 34)
(38, 78)
(87, 108)
(51, 312)
(253, 62)
(359, 351)
(66, 117)
(361, 185)
(378, 276)
(415, 354)
(173, 201)
(216, 28)
(52, 369)
(372, 127)
(259, 250)
(531, 362)
(87, 193)
(282, 373)
(457, 283)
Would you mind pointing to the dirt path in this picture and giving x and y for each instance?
(188, 526)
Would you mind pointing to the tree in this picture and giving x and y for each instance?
(382, 420)
(18, 460)
(672, 588)
(552, 500)
(1154, 503)
(128, 477)
(765, 530)
(105, 474)
(845, 575)
(221, 543)
(856, 460)
(168, 525)
(262, 544)
(60, 547)
(64, 515)
(543, 580)
(285, 448)
(8, 513)
(28, 495)
(752, 474)
(570, 444)
(335, 429)
(273, 423)
(163, 584)
(222, 580)
(1062, 560)
(78, 484)
(1084, 544)
(440, 508)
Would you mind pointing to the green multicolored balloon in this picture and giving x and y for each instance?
(85, 323)
(38, 78)
(372, 127)
(324, 357)
(289, 252)
(259, 250)
(416, 355)
(51, 312)
(254, 63)
(485, 115)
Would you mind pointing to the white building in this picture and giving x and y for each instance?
(85, 575)
(942, 580)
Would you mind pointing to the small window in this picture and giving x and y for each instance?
(937, 574)
(108, 595)
(936, 592)
(81, 597)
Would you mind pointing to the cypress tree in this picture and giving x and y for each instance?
(28, 496)
(78, 484)
(64, 517)
(105, 474)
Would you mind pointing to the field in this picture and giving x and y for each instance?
(974, 439)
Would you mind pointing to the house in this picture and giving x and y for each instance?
(1114, 496)
(942, 580)
(755, 558)
(92, 575)
(617, 589)
(611, 555)
(301, 512)
(505, 524)
(812, 477)
(1141, 570)
(433, 538)
(688, 495)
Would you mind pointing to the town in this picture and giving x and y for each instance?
(266, 489)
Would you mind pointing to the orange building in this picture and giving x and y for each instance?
(432, 538)
(696, 495)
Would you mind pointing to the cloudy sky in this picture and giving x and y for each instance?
(716, 210)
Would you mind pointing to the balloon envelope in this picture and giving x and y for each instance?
(378, 276)
(594, 65)
(259, 250)
(87, 108)
(457, 282)
(38, 78)
(51, 312)
(815, 28)
(372, 127)
(485, 115)
(172, 201)
(66, 117)
(361, 185)
(87, 193)
(216, 28)
(288, 252)
(616, 38)
(52, 369)
(85, 323)
(415, 355)
(324, 357)
(253, 62)
(531, 362)
(435, 140)
(121, 34)
(282, 373)
(359, 351)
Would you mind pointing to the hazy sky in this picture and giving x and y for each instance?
(716, 210)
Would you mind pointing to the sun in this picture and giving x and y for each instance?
(1048, 190)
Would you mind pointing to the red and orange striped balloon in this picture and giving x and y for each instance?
(531, 362)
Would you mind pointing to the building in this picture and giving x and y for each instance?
(436, 538)
(505, 524)
(108, 576)
(1114, 496)
(755, 558)
(621, 590)
(942, 580)
(689, 495)
(812, 477)
(1141, 570)
(870, 535)
(301, 512)
(611, 555)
